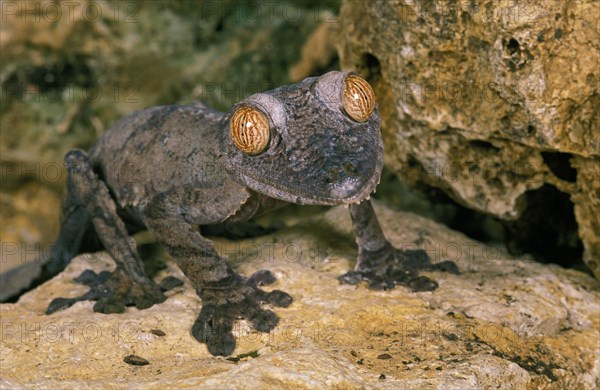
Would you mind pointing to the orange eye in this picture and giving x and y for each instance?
(249, 130)
(358, 98)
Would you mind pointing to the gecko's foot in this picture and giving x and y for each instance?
(113, 291)
(389, 267)
(223, 305)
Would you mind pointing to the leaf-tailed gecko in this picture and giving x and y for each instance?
(170, 168)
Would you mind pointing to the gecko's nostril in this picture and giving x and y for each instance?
(333, 176)
(336, 174)
(350, 169)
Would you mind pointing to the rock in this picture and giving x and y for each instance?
(317, 53)
(504, 322)
(586, 209)
(490, 101)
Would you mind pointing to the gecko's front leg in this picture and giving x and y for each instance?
(384, 266)
(226, 295)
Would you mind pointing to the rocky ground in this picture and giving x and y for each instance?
(504, 322)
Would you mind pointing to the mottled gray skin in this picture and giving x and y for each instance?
(168, 168)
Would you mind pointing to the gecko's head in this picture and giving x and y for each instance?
(314, 142)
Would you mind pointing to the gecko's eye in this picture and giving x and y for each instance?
(358, 98)
(249, 130)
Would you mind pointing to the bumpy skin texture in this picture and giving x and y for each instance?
(168, 168)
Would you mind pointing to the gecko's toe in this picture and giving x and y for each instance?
(202, 329)
(279, 298)
(381, 283)
(262, 278)
(446, 266)
(89, 277)
(213, 327)
(222, 346)
(109, 305)
(422, 283)
(264, 320)
(351, 277)
(59, 304)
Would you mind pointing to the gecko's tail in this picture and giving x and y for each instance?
(75, 229)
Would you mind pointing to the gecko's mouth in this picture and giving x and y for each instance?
(332, 180)
(344, 183)
(348, 191)
(327, 167)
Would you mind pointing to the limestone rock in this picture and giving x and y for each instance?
(317, 53)
(489, 101)
(505, 322)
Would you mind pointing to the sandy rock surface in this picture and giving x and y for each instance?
(505, 322)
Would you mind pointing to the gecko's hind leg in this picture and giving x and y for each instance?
(128, 285)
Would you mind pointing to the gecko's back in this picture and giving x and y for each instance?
(150, 151)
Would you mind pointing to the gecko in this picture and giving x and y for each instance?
(179, 170)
